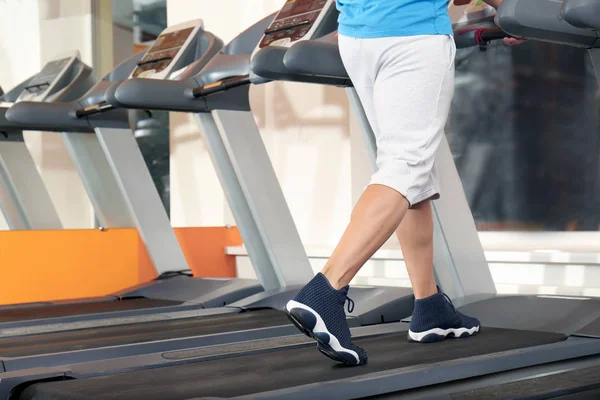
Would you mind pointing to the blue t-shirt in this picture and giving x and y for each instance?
(384, 18)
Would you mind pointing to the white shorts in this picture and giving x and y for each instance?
(405, 85)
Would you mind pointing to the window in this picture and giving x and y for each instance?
(525, 133)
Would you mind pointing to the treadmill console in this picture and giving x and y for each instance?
(297, 20)
(42, 84)
(161, 59)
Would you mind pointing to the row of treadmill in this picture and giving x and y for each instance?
(181, 337)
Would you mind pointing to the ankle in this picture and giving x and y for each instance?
(332, 279)
(424, 291)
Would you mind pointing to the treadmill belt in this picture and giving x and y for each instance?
(58, 342)
(577, 384)
(82, 309)
(256, 373)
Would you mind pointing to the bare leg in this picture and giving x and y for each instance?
(375, 217)
(416, 239)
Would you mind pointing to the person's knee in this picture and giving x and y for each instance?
(379, 200)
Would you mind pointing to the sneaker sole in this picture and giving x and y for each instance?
(312, 325)
(438, 335)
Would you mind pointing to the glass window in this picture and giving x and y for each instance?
(525, 133)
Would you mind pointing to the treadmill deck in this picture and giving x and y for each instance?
(53, 311)
(249, 374)
(83, 339)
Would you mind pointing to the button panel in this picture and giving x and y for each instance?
(293, 22)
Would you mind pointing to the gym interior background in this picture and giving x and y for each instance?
(524, 131)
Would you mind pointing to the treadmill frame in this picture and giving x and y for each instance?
(255, 198)
(406, 378)
(24, 198)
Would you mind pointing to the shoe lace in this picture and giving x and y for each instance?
(449, 301)
(350, 304)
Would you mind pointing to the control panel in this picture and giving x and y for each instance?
(163, 55)
(42, 84)
(298, 19)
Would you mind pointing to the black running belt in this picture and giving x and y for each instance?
(246, 375)
(82, 309)
(584, 382)
(138, 333)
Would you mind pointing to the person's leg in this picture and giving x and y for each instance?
(318, 310)
(416, 239)
(434, 317)
(374, 219)
(407, 108)
(407, 105)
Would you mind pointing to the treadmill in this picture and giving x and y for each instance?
(24, 200)
(584, 14)
(276, 250)
(578, 381)
(118, 184)
(291, 367)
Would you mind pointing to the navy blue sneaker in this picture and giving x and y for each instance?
(318, 311)
(435, 319)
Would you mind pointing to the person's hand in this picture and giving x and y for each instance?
(494, 3)
(510, 41)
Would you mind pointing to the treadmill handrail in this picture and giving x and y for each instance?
(540, 20)
(94, 109)
(582, 14)
(60, 116)
(476, 35)
(46, 116)
(221, 86)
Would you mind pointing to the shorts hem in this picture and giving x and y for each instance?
(431, 193)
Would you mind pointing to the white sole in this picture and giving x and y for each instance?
(458, 332)
(321, 328)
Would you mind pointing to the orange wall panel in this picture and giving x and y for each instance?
(70, 264)
(204, 249)
(53, 265)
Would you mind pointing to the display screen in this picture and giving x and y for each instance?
(44, 79)
(297, 7)
(293, 22)
(161, 53)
